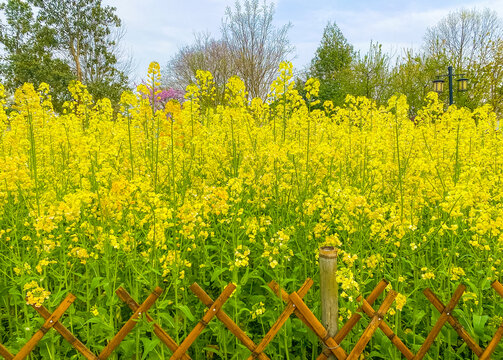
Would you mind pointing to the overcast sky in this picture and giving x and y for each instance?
(156, 29)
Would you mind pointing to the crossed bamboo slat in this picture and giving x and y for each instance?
(289, 309)
(395, 340)
(5, 353)
(48, 324)
(483, 354)
(332, 345)
(210, 314)
(158, 331)
(227, 321)
(294, 305)
(339, 337)
(52, 321)
(66, 334)
(130, 324)
(303, 313)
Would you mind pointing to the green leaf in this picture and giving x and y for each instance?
(148, 346)
(217, 273)
(96, 282)
(485, 284)
(186, 312)
(418, 316)
(166, 319)
(213, 349)
(245, 277)
(479, 322)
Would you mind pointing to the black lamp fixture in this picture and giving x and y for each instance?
(438, 83)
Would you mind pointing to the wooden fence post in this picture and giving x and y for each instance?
(329, 290)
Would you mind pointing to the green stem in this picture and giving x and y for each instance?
(400, 182)
(33, 155)
(130, 144)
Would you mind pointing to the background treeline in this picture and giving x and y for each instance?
(470, 40)
(57, 41)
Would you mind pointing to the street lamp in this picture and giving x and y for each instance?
(438, 83)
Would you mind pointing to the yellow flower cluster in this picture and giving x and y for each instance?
(35, 294)
(173, 260)
(456, 273)
(80, 253)
(258, 309)
(42, 264)
(276, 250)
(427, 274)
(241, 259)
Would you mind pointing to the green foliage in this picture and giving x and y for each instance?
(371, 74)
(333, 55)
(469, 40)
(332, 64)
(88, 36)
(413, 75)
(29, 46)
(58, 41)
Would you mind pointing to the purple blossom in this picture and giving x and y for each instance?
(164, 96)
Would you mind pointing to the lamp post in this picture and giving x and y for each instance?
(438, 83)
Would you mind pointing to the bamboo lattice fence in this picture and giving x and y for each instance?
(294, 304)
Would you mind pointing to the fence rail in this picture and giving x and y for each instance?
(294, 305)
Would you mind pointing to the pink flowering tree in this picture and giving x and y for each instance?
(162, 96)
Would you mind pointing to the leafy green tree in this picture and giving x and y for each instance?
(413, 75)
(332, 64)
(371, 74)
(28, 47)
(87, 34)
(65, 40)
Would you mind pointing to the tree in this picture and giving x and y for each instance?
(412, 76)
(66, 40)
(491, 78)
(332, 64)
(28, 52)
(250, 47)
(372, 74)
(87, 34)
(465, 37)
(205, 54)
(256, 47)
(469, 40)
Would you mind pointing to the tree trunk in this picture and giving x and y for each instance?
(76, 59)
